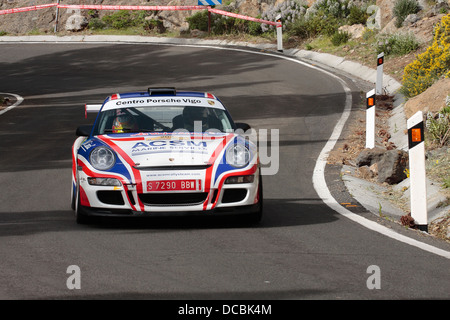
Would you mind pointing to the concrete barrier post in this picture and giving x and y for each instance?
(417, 174)
(370, 119)
(279, 27)
(380, 62)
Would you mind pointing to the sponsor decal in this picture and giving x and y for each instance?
(158, 146)
(157, 100)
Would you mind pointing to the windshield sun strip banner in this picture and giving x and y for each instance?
(162, 101)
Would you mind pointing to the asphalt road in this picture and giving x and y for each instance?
(301, 250)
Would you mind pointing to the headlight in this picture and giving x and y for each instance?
(238, 156)
(240, 179)
(102, 158)
(104, 182)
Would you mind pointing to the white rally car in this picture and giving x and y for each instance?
(163, 152)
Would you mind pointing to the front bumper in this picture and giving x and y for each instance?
(227, 211)
(129, 200)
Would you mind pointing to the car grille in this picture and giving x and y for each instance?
(173, 198)
(110, 197)
(234, 195)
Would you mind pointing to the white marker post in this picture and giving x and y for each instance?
(380, 62)
(370, 119)
(279, 33)
(417, 175)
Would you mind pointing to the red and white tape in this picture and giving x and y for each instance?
(145, 8)
(239, 16)
(25, 9)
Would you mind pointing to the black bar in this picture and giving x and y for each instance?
(380, 61)
(412, 144)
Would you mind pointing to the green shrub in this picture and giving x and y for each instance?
(96, 24)
(438, 127)
(369, 34)
(323, 25)
(314, 26)
(124, 19)
(198, 20)
(254, 28)
(154, 24)
(93, 13)
(403, 8)
(339, 9)
(222, 24)
(301, 28)
(290, 11)
(339, 38)
(397, 44)
(358, 15)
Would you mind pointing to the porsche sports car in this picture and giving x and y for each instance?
(164, 152)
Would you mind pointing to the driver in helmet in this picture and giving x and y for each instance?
(124, 123)
(193, 117)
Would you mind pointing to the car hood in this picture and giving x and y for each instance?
(168, 150)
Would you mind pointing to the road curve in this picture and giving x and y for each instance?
(302, 250)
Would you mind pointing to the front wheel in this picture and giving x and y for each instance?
(255, 217)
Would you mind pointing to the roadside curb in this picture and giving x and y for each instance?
(17, 100)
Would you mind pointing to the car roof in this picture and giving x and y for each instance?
(161, 97)
(160, 92)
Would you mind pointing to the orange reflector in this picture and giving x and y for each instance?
(416, 135)
(380, 61)
(370, 102)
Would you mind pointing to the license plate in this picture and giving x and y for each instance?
(174, 185)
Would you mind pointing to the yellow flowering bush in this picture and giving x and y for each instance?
(430, 65)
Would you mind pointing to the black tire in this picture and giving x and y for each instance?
(256, 217)
(79, 216)
(72, 199)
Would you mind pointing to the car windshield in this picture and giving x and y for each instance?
(163, 119)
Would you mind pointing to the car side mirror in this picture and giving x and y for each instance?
(242, 125)
(84, 131)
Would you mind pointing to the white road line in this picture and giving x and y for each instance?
(318, 179)
(19, 101)
(322, 190)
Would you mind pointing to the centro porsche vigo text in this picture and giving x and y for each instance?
(163, 152)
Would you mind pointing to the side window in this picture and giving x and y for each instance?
(106, 121)
(222, 116)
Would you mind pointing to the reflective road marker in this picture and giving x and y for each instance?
(370, 119)
(417, 175)
(380, 62)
